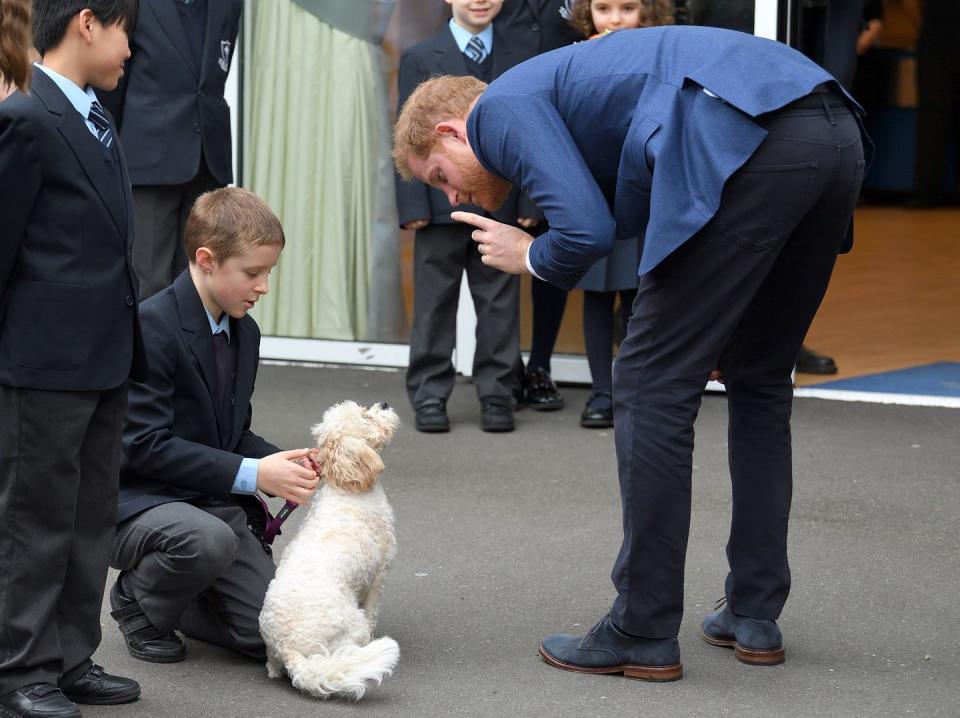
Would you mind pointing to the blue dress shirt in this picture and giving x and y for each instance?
(462, 37)
(81, 99)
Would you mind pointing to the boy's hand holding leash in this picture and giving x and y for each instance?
(501, 246)
(283, 474)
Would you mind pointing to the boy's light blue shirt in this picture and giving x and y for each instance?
(462, 37)
(80, 99)
(246, 481)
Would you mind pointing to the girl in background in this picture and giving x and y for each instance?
(14, 46)
(617, 273)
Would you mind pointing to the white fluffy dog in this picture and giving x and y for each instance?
(320, 610)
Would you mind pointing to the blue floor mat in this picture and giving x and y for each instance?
(938, 379)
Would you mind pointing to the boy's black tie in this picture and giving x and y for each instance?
(99, 120)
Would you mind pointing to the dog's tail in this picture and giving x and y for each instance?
(347, 671)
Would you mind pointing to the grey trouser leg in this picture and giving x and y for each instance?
(198, 569)
(59, 455)
(441, 254)
(160, 216)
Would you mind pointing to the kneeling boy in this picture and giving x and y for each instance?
(187, 558)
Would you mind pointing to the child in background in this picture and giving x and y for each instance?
(617, 273)
(598, 17)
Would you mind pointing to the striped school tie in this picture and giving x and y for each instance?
(99, 120)
(476, 50)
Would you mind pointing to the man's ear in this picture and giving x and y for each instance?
(452, 129)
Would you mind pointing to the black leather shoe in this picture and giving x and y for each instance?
(809, 362)
(607, 649)
(496, 415)
(144, 640)
(542, 394)
(598, 413)
(98, 688)
(38, 700)
(431, 417)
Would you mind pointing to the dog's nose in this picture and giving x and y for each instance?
(383, 406)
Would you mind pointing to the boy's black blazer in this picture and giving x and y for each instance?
(440, 55)
(536, 24)
(166, 106)
(68, 310)
(173, 446)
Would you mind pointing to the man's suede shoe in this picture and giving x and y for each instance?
(98, 688)
(144, 640)
(754, 640)
(607, 649)
(431, 418)
(496, 415)
(38, 700)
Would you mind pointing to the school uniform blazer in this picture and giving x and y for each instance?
(633, 134)
(440, 55)
(167, 106)
(174, 448)
(68, 310)
(536, 24)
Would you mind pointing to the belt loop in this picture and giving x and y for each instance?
(826, 108)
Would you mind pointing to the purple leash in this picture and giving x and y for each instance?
(274, 523)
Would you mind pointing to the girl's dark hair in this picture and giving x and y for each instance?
(51, 17)
(653, 12)
(14, 43)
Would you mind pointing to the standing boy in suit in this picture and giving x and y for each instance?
(443, 250)
(190, 461)
(69, 339)
(175, 123)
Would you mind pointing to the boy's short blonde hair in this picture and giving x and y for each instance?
(435, 100)
(229, 221)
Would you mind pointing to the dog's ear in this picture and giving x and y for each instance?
(350, 464)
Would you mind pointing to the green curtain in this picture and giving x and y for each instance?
(316, 147)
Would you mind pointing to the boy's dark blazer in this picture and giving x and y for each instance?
(68, 309)
(536, 24)
(440, 55)
(173, 446)
(167, 106)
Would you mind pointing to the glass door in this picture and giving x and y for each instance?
(314, 93)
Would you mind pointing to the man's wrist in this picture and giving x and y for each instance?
(526, 257)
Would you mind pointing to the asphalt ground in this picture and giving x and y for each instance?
(506, 538)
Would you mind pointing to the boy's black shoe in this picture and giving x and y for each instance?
(98, 688)
(810, 362)
(431, 417)
(496, 414)
(542, 394)
(143, 639)
(37, 700)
